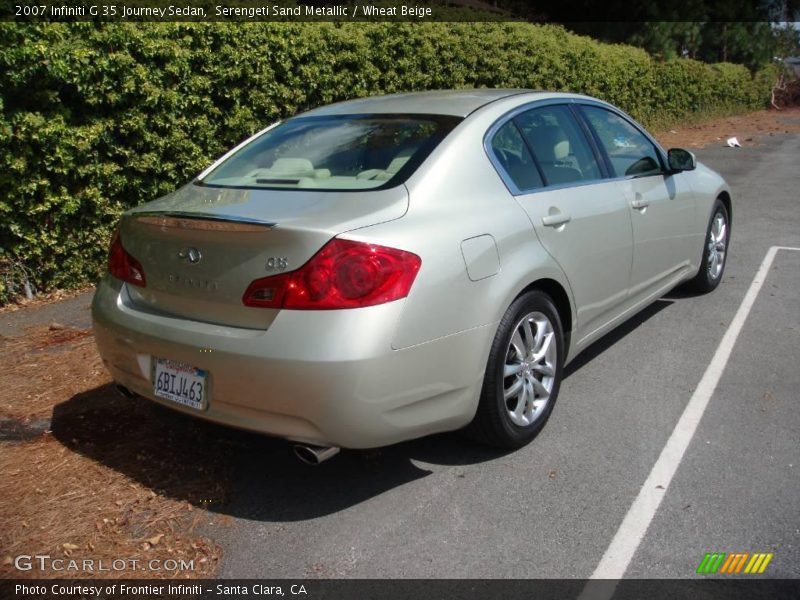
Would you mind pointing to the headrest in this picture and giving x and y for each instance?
(397, 164)
(550, 143)
(561, 150)
(295, 166)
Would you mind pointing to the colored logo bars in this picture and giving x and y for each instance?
(734, 563)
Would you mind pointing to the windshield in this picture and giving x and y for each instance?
(340, 152)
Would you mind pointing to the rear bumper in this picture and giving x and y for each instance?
(322, 377)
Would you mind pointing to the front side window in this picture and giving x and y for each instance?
(628, 150)
(338, 153)
(559, 145)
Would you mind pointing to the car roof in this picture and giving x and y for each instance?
(459, 103)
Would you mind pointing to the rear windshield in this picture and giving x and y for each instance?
(337, 153)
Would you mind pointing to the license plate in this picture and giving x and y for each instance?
(180, 383)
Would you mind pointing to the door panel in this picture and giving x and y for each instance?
(584, 222)
(661, 205)
(593, 247)
(662, 209)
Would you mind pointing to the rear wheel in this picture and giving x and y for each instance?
(523, 374)
(715, 251)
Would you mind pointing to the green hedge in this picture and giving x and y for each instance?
(95, 119)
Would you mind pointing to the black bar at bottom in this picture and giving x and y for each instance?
(750, 588)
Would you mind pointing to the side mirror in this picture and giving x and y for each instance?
(681, 160)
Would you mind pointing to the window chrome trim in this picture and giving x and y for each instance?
(568, 101)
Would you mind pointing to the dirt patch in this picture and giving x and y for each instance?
(750, 129)
(90, 475)
(45, 367)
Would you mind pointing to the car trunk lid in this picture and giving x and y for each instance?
(200, 247)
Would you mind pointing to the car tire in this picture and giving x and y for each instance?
(523, 374)
(715, 251)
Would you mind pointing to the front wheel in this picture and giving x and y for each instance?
(523, 374)
(715, 251)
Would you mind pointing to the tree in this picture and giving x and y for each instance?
(739, 31)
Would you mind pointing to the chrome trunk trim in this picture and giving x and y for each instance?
(201, 221)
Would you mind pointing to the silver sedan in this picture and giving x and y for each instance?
(387, 268)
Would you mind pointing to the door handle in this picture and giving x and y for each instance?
(639, 202)
(556, 220)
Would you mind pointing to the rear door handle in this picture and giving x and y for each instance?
(556, 220)
(639, 202)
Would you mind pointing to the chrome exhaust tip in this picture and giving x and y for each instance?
(314, 455)
(125, 392)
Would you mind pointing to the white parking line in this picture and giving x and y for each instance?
(620, 551)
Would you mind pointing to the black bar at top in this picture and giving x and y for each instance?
(552, 11)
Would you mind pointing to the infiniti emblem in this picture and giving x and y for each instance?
(191, 254)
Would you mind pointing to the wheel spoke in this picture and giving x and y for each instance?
(540, 390)
(518, 344)
(509, 370)
(712, 265)
(721, 231)
(544, 368)
(513, 389)
(542, 330)
(522, 400)
(529, 408)
(530, 341)
(541, 351)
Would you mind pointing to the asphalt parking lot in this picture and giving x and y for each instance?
(441, 507)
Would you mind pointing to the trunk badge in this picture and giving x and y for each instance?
(190, 254)
(277, 263)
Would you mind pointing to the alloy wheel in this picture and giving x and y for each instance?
(717, 240)
(529, 369)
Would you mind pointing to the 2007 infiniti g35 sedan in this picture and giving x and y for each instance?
(391, 267)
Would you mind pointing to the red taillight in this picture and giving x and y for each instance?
(122, 265)
(344, 274)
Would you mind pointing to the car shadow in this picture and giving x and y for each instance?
(615, 335)
(238, 473)
(247, 475)
(681, 292)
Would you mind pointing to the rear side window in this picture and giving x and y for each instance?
(337, 153)
(513, 154)
(559, 145)
(629, 151)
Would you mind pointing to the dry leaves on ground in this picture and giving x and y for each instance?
(749, 128)
(111, 478)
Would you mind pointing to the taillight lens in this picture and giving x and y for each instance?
(343, 274)
(122, 265)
